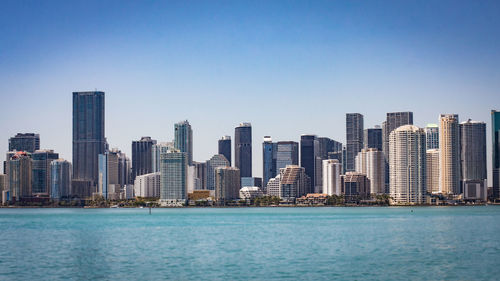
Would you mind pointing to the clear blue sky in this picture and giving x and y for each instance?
(289, 67)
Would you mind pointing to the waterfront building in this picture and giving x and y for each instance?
(88, 140)
(156, 150)
(124, 168)
(251, 181)
(225, 147)
(29, 142)
(495, 155)
(325, 147)
(184, 139)
(40, 167)
(287, 153)
(432, 136)
(273, 186)
(309, 148)
(216, 161)
(201, 174)
(407, 162)
(432, 176)
(173, 178)
(355, 187)
(372, 138)
(269, 158)
(371, 162)
(142, 156)
(354, 138)
(109, 175)
(148, 185)
(473, 160)
(60, 179)
(20, 175)
(243, 149)
(250, 192)
(294, 182)
(332, 170)
(449, 154)
(227, 184)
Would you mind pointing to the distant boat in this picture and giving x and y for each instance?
(141, 207)
(115, 206)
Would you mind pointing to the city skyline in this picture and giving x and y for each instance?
(370, 58)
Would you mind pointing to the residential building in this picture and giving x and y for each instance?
(201, 174)
(354, 138)
(294, 182)
(40, 167)
(371, 162)
(332, 171)
(243, 149)
(218, 160)
(269, 155)
(495, 155)
(20, 175)
(60, 179)
(432, 176)
(157, 150)
(173, 178)
(473, 160)
(227, 184)
(355, 187)
(449, 154)
(432, 136)
(142, 156)
(372, 138)
(250, 192)
(184, 139)
(309, 149)
(273, 186)
(148, 185)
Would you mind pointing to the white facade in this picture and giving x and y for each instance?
(432, 171)
(250, 192)
(332, 183)
(273, 186)
(371, 163)
(147, 185)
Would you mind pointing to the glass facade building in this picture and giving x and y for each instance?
(184, 139)
(495, 143)
(354, 138)
(225, 147)
(28, 142)
(60, 179)
(243, 149)
(40, 168)
(142, 156)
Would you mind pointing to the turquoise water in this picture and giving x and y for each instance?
(454, 243)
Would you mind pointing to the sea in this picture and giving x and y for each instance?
(280, 243)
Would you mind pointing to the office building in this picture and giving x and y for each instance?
(147, 186)
(495, 155)
(294, 182)
(28, 142)
(124, 168)
(60, 179)
(88, 139)
(156, 151)
(109, 186)
(309, 148)
(355, 187)
(372, 138)
(432, 136)
(251, 181)
(393, 121)
(473, 160)
(354, 138)
(227, 184)
(216, 161)
(225, 147)
(243, 149)
(269, 155)
(287, 153)
(142, 156)
(407, 162)
(40, 167)
(371, 162)
(184, 139)
(20, 175)
(332, 171)
(173, 178)
(201, 174)
(432, 175)
(449, 154)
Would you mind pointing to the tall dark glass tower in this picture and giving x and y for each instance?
(28, 142)
(142, 156)
(354, 138)
(225, 147)
(394, 120)
(372, 138)
(309, 147)
(88, 140)
(243, 149)
(184, 139)
(268, 160)
(495, 144)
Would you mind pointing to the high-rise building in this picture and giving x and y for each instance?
(309, 148)
(432, 176)
(473, 159)
(227, 184)
(28, 142)
(432, 136)
(142, 156)
(243, 149)
(124, 168)
(60, 179)
(495, 144)
(216, 161)
(355, 187)
(20, 175)
(184, 139)
(88, 140)
(109, 186)
(407, 162)
(371, 163)
(449, 154)
(40, 167)
(332, 171)
(354, 138)
(173, 179)
(273, 186)
(287, 153)
(269, 155)
(148, 185)
(326, 149)
(157, 150)
(372, 138)
(200, 169)
(225, 147)
(294, 182)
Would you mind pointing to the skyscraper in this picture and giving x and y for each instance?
(354, 138)
(173, 178)
(225, 147)
(88, 139)
(142, 156)
(184, 139)
(40, 167)
(372, 138)
(20, 175)
(200, 169)
(294, 182)
(157, 150)
(60, 179)
(332, 183)
(269, 155)
(449, 154)
(28, 142)
(227, 184)
(215, 162)
(309, 147)
(407, 164)
(109, 186)
(243, 149)
(432, 169)
(371, 163)
(432, 136)
(287, 153)
(473, 159)
(495, 144)
(355, 187)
